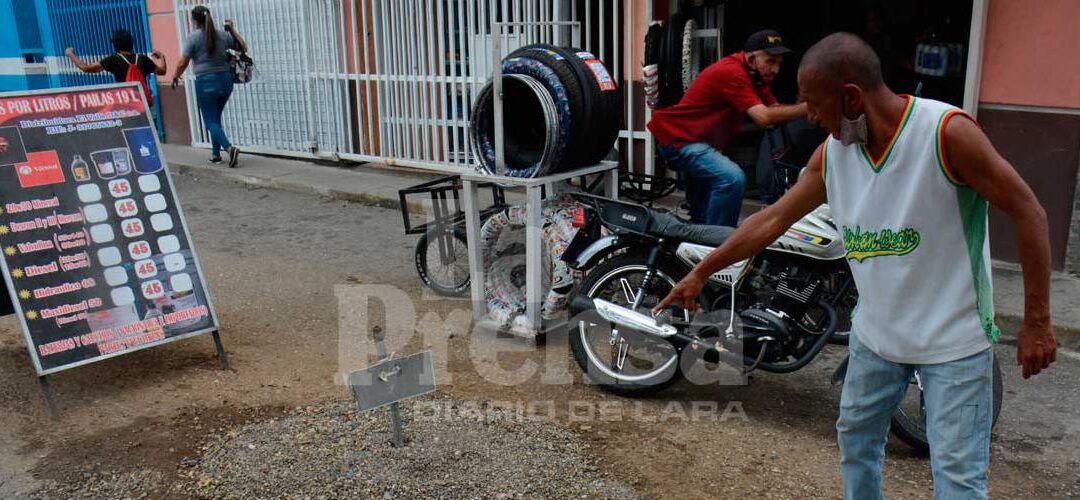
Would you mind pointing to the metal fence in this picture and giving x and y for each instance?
(393, 81)
(68, 25)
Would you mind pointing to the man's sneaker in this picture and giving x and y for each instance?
(234, 156)
(214, 160)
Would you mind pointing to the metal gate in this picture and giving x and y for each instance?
(393, 81)
(68, 25)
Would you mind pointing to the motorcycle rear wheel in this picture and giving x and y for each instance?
(655, 362)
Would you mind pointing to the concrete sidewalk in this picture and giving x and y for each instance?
(359, 184)
(378, 186)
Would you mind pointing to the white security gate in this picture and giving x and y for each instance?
(393, 81)
(290, 109)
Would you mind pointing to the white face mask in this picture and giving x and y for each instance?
(852, 131)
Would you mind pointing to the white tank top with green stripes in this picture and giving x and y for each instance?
(917, 243)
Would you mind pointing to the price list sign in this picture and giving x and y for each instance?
(96, 254)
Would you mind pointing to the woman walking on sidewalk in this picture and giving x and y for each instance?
(207, 47)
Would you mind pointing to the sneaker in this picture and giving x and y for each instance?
(214, 160)
(234, 156)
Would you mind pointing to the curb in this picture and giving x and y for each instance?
(238, 177)
(1067, 337)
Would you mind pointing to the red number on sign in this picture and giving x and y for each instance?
(121, 188)
(152, 289)
(146, 269)
(133, 228)
(139, 250)
(127, 207)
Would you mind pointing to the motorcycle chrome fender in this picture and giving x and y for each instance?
(814, 236)
(597, 249)
(692, 254)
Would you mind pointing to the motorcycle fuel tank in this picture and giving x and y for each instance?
(814, 236)
(692, 254)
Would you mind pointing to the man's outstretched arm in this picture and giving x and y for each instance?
(768, 116)
(971, 157)
(82, 65)
(755, 234)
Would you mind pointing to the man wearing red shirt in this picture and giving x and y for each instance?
(693, 132)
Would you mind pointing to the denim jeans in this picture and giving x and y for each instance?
(715, 184)
(959, 400)
(212, 91)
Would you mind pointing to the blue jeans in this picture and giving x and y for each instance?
(212, 91)
(959, 400)
(715, 184)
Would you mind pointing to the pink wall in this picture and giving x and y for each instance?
(1030, 53)
(163, 30)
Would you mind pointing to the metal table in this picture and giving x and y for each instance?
(535, 188)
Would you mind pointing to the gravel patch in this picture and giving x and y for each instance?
(331, 451)
(454, 450)
(138, 484)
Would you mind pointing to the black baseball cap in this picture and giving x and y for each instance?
(768, 40)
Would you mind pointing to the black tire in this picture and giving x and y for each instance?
(607, 116)
(912, 431)
(524, 156)
(671, 87)
(592, 286)
(451, 285)
(602, 109)
(580, 108)
(654, 43)
(688, 55)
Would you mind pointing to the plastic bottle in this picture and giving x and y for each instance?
(122, 162)
(79, 170)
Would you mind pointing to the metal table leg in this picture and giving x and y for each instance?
(534, 257)
(611, 184)
(476, 260)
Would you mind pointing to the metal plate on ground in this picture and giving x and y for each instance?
(393, 380)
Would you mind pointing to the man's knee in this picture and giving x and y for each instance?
(854, 419)
(736, 177)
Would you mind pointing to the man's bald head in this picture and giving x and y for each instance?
(844, 58)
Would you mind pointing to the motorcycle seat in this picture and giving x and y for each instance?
(668, 226)
(643, 220)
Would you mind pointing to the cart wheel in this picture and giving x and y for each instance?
(442, 261)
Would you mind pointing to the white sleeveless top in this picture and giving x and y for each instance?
(917, 243)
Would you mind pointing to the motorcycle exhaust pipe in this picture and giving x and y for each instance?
(623, 317)
(626, 318)
(632, 319)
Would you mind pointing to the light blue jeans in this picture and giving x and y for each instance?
(212, 91)
(714, 183)
(959, 401)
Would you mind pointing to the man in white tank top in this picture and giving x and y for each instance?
(909, 182)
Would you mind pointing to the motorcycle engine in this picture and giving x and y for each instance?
(773, 321)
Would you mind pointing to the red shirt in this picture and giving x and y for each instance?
(713, 108)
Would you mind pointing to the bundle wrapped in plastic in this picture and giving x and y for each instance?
(502, 243)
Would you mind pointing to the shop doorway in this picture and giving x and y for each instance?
(923, 46)
(919, 41)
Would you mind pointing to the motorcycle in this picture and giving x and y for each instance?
(783, 306)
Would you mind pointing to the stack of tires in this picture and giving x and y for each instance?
(561, 110)
(670, 59)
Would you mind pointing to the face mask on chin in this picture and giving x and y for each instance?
(755, 75)
(852, 131)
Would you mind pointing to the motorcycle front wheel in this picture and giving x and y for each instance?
(909, 420)
(619, 360)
